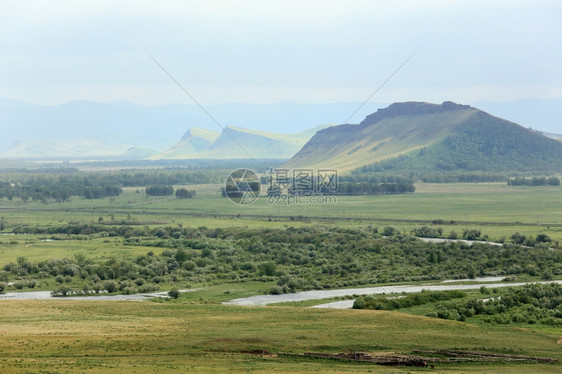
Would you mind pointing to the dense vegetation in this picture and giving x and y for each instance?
(536, 181)
(184, 193)
(383, 172)
(295, 258)
(485, 149)
(60, 184)
(398, 302)
(532, 303)
(123, 178)
(351, 188)
(159, 190)
(57, 192)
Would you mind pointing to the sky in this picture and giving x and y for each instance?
(272, 51)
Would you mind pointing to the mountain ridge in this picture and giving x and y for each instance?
(238, 142)
(403, 136)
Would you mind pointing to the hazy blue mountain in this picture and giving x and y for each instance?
(237, 142)
(157, 127)
(194, 140)
(75, 149)
(26, 126)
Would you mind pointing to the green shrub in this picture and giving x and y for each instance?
(110, 286)
(174, 293)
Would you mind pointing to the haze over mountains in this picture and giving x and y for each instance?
(236, 142)
(112, 129)
(120, 130)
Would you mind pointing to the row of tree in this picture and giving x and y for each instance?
(350, 189)
(162, 190)
(353, 189)
(57, 192)
(535, 181)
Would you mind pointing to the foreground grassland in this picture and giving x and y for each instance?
(132, 337)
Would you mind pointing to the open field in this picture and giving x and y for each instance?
(496, 209)
(122, 337)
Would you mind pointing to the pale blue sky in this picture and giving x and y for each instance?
(272, 51)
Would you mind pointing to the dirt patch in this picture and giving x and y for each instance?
(423, 358)
(261, 352)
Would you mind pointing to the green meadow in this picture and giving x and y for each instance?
(495, 208)
(143, 337)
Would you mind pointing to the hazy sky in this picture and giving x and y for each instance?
(271, 51)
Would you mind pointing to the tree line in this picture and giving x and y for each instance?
(354, 189)
(57, 192)
(535, 181)
(162, 190)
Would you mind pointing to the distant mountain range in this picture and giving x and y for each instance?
(236, 142)
(416, 136)
(83, 130)
(111, 129)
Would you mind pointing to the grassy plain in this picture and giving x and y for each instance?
(195, 334)
(495, 208)
(133, 337)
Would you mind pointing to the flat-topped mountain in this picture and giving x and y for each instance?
(414, 136)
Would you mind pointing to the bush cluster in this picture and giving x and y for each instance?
(532, 303)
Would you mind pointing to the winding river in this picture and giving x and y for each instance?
(261, 300)
(46, 295)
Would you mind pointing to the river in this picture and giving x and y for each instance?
(261, 300)
(46, 295)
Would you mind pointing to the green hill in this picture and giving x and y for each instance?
(194, 140)
(414, 137)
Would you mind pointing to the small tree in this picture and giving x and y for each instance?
(110, 286)
(174, 293)
(543, 238)
(183, 193)
(389, 231)
(159, 190)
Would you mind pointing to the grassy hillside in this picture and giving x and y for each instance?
(193, 141)
(481, 143)
(409, 137)
(237, 142)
